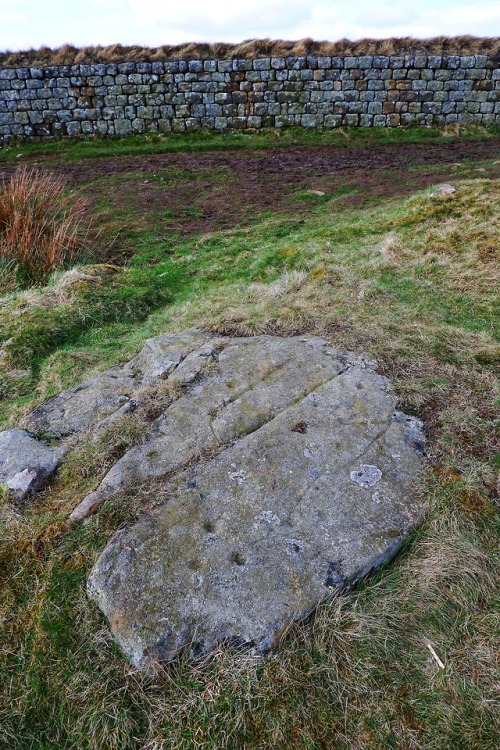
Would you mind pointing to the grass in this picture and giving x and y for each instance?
(251, 48)
(414, 282)
(42, 228)
(204, 140)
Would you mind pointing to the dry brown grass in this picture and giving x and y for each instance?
(42, 227)
(251, 48)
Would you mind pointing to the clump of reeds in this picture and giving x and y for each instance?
(43, 227)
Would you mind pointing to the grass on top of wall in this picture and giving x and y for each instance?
(414, 282)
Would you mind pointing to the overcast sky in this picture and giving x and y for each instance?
(32, 23)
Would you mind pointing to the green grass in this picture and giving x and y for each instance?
(414, 282)
(153, 143)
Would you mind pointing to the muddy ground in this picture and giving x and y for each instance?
(199, 193)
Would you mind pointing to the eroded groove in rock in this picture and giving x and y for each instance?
(84, 406)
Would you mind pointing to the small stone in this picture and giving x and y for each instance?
(26, 465)
(445, 189)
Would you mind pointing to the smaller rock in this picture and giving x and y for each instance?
(316, 192)
(26, 465)
(445, 189)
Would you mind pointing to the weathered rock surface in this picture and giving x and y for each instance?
(26, 465)
(289, 474)
(233, 387)
(314, 489)
(112, 391)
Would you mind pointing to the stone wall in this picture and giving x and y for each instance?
(179, 96)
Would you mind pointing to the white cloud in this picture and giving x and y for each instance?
(13, 11)
(222, 20)
(225, 20)
(25, 23)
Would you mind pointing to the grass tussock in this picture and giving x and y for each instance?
(413, 282)
(252, 48)
(42, 227)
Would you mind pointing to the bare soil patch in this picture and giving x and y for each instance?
(204, 192)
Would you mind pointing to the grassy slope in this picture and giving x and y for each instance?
(414, 282)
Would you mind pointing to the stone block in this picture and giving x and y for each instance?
(396, 62)
(351, 63)
(350, 120)
(434, 61)
(198, 110)
(242, 65)
(254, 121)
(224, 66)
(124, 68)
(475, 74)
(123, 127)
(73, 128)
(432, 108)
(262, 63)
(145, 113)
(380, 61)
(365, 62)
(332, 121)
(296, 63)
(101, 127)
(324, 62)
(468, 61)
(138, 125)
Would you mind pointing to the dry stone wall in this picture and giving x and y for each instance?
(186, 95)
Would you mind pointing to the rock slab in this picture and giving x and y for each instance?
(311, 485)
(288, 471)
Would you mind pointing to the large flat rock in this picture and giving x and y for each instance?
(310, 487)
